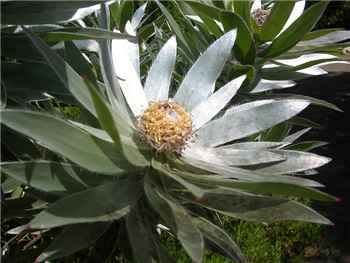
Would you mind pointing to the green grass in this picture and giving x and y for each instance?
(279, 242)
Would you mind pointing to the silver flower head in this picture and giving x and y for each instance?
(166, 123)
(188, 124)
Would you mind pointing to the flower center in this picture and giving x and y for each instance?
(166, 126)
(260, 16)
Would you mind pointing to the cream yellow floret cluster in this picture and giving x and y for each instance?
(166, 126)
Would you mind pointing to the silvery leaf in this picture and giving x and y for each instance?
(199, 81)
(113, 88)
(297, 11)
(239, 124)
(294, 136)
(103, 135)
(159, 76)
(296, 161)
(125, 57)
(138, 15)
(88, 45)
(265, 85)
(330, 38)
(206, 110)
(308, 58)
(248, 105)
(248, 157)
(258, 208)
(233, 157)
(207, 163)
(253, 145)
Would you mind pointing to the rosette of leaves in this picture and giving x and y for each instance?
(145, 161)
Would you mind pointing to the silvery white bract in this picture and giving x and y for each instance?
(107, 174)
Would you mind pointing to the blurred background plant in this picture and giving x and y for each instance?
(196, 25)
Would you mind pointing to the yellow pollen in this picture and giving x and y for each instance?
(166, 126)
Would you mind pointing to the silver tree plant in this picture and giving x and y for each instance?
(151, 163)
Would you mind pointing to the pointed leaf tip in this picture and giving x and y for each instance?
(159, 77)
(199, 82)
(245, 121)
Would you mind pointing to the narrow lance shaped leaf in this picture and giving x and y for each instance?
(288, 71)
(220, 238)
(77, 33)
(177, 30)
(122, 12)
(188, 234)
(73, 143)
(242, 8)
(72, 239)
(107, 202)
(140, 236)
(244, 48)
(197, 191)
(210, 24)
(295, 162)
(258, 208)
(114, 92)
(64, 71)
(276, 133)
(138, 15)
(264, 188)
(159, 76)
(306, 146)
(325, 37)
(113, 123)
(227, 172)
(78, 62)
(294, 136)
(311, 100)
(296, 31)
(230, 172)
(297, 11)
(125, 56)
(266, 85)
(260, 145)
(206, 110)
(103, 135)
(239, 124)
(46, 176)
(233, 157)
(276, 20)
(199, 81)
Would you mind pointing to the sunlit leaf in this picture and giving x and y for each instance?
(296, 31)
(240, 124)
(199, 81)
